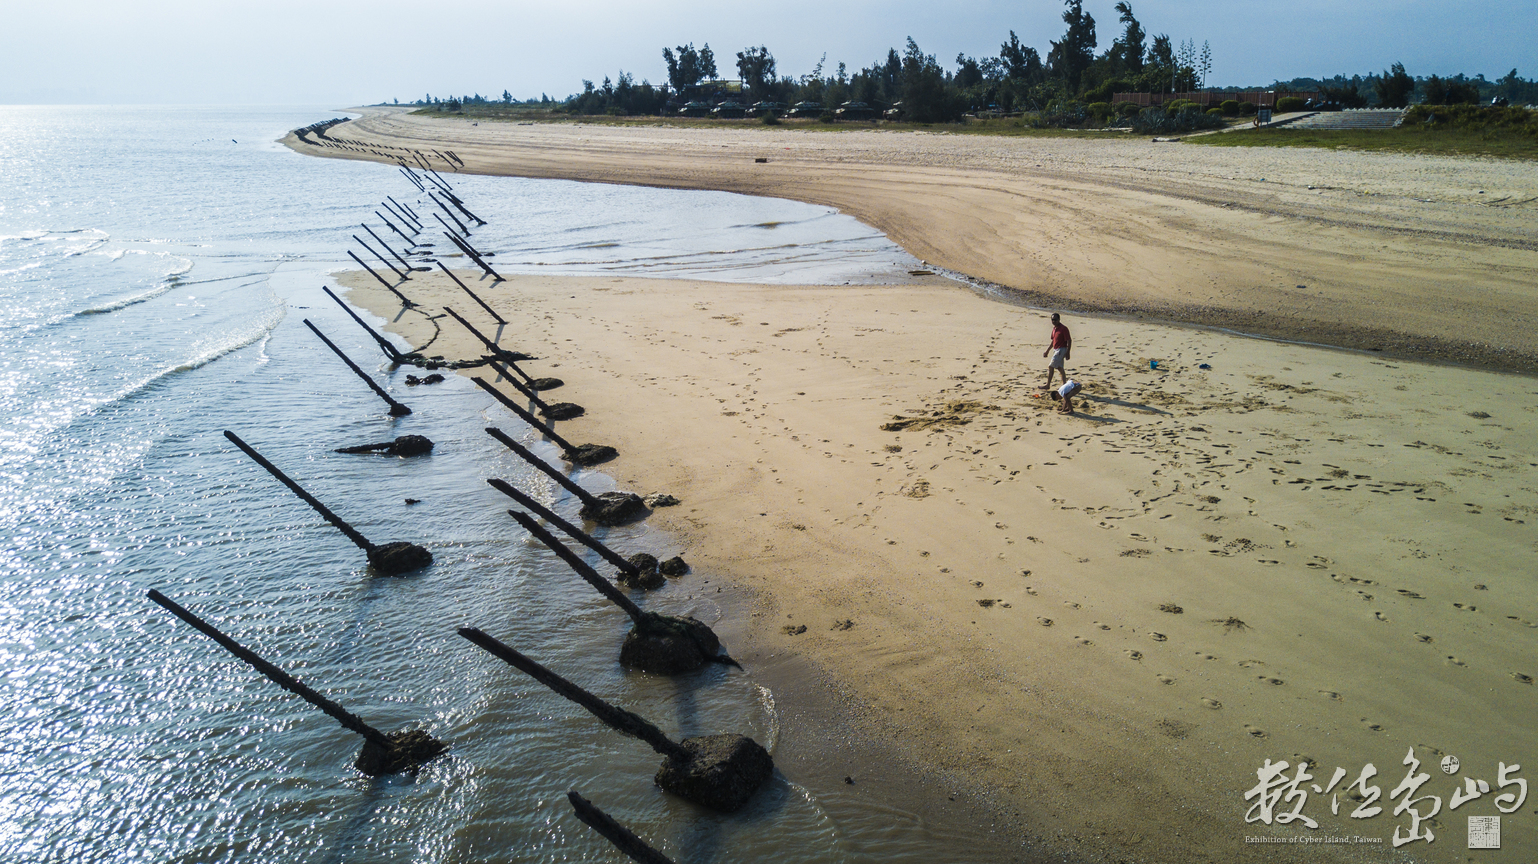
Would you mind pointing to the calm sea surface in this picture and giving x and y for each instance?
(155, 267)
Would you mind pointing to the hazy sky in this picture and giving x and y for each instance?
(353, 52)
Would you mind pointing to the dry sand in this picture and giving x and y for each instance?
(1421, 256)
(1049, 608)
(1102, 625)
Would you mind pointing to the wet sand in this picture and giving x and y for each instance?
(1100, 626)
(1417, 256)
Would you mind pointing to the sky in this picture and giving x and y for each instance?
(346, 52)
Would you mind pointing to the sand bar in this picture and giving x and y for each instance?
(1419, 256)
(1100, 626)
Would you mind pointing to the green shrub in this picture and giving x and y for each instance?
(1179, 105)
(768, 119)
(1099, 110)
(1106, 90)
(1126, 109)
(1247, 109)
(1215, 112)
(1158, 121)
(1288, 104)
(1476, 118)
(1230, 107)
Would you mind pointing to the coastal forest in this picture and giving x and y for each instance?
(1070, 84)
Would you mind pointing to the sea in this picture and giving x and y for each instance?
(157, 265)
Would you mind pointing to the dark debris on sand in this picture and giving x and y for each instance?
(590, 454)
(615, 508)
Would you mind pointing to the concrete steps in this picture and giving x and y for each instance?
(1363, 118)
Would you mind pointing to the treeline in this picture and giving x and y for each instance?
(1017, 78)
(1071, 84)
(1396, 88)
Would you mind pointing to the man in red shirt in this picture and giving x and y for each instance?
(1059, 349)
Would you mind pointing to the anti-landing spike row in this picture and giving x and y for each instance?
(381, 753)
(389, 559)
(623, 838)
(396, 408)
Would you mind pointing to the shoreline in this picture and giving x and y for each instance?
(1008, 629)
(1023, 299)
(1336, 249)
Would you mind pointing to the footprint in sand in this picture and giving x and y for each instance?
(1422, 637)
(1102, 626)
(1525, 679)
(1212, 703)
(1135, 655)
(1268, 561)
(1164, 679)
(1332, 695)
(1274, 681)
(1454, 661)
(1380, 616)
(1085, 642)
(1255, 731)
(1045, 622)
(1465, 607)
(1372, 727)
(1245, 664)
(1072, 605)
(1410, 594)
(1158, 637)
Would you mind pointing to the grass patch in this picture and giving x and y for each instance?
(1459, 130)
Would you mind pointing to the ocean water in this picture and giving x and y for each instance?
(156, 265)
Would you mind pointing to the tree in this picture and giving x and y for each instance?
(507, 98)
(1021, 62)
(1129, 49)
(689, 67)
(891, 79)
(1448, 91)
(1070, 57)
(1162, 54)
(1511, 86)
(968, 72)
(1185, 67)
(1205, 68)
(1346, 96)
(926, 99)
(755, 66)
(1394, 87)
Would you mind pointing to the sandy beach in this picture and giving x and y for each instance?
(1099, 626)
(1106, 623)
(1419, 256)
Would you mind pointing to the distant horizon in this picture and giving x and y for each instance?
(338, 105)
(180, 53)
